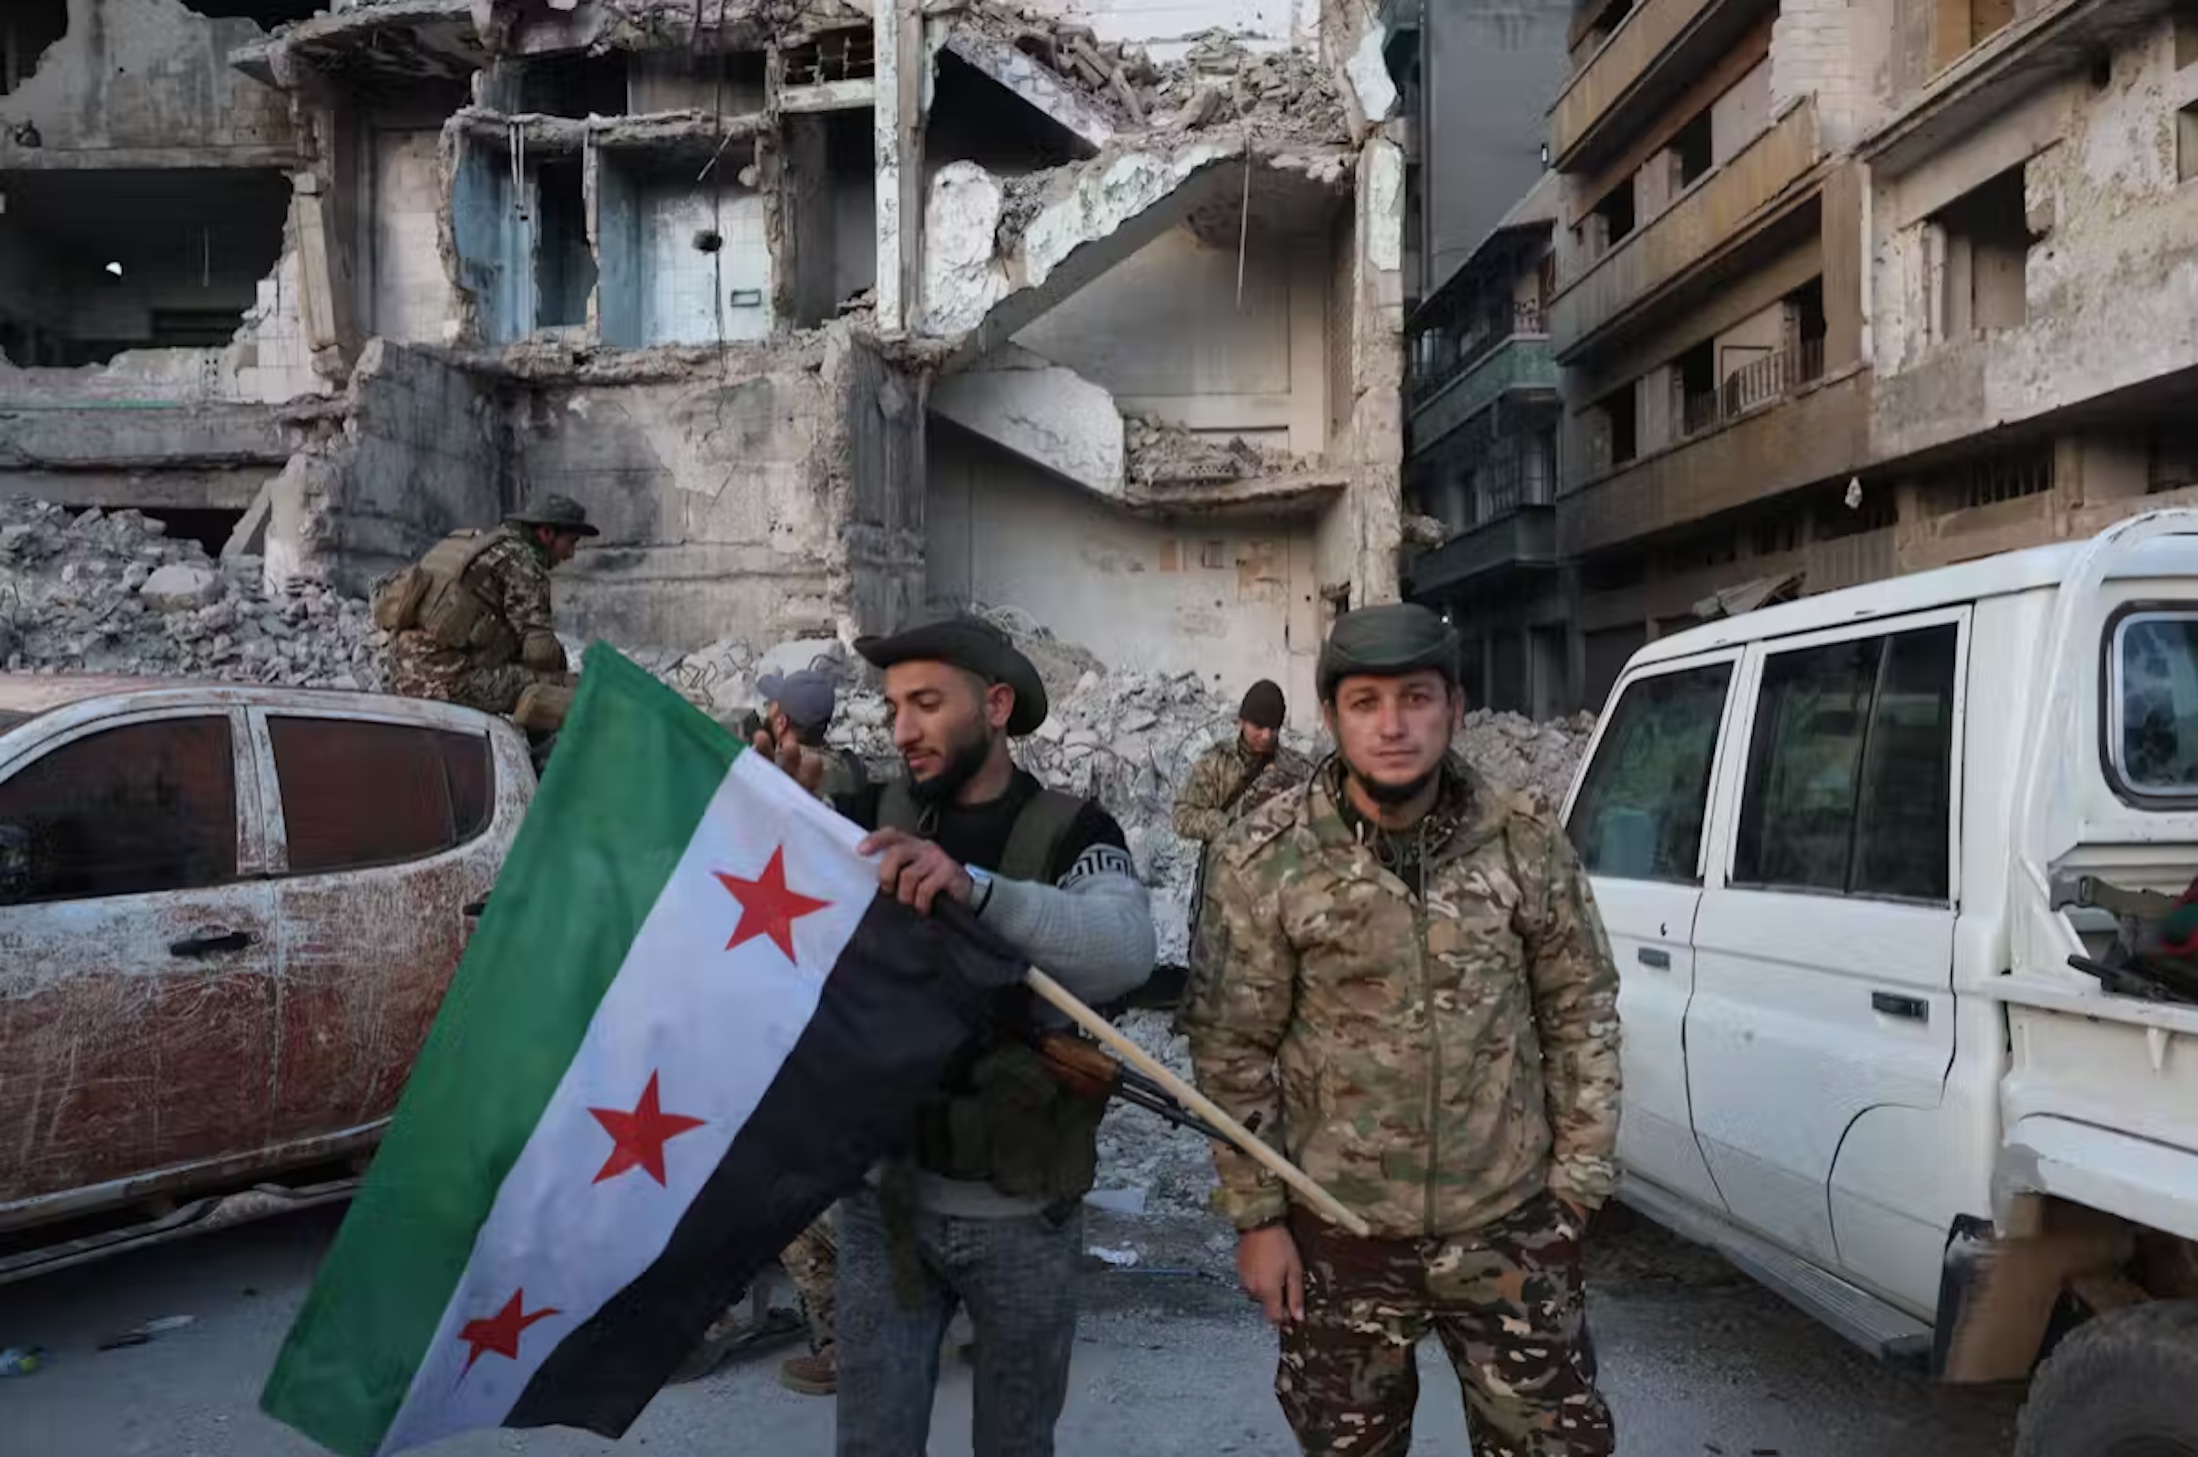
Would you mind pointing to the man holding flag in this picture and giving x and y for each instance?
(689, 1021)
(987, 1213)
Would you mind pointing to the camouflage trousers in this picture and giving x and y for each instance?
(419, 667)
(1506, 1303)
(812, 1262)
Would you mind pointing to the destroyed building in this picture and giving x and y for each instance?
(824, 311)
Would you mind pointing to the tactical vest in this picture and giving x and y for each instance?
(435, 596)
(999, 1116)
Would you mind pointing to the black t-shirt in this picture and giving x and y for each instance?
(977, 834)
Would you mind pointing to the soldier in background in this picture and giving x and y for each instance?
(470, 622)
(1230, 781)
(791, 726)
(1430, 949)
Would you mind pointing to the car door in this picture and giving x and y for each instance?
(1824, 947)
(379, 839)
(1637, 822)
(137, 960)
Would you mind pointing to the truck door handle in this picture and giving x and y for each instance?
(1913, 1009)
(210, 943)
(1651, 956)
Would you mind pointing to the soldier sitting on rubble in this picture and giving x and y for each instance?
(470, 622)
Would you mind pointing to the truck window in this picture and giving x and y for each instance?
(2152, 732)
(357, 794)
(1639, 814)
(128, 811)
(1850, 769)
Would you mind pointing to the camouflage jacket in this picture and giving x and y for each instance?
(511, 577)
(1203, 811)
(1434, 1059)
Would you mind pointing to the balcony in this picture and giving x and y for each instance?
(1525, 538)
(1819, 434)
(1710, 219)
(1515, 362)
(1766, 381)
(1658, 49)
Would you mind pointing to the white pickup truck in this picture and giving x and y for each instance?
(1884, 1046)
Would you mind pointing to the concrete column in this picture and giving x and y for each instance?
(898, 140)
(1377, 373)
(1846, 256)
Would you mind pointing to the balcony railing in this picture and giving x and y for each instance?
(1441, 354)
(1761, 382)
(1501, 487)
(1703, 223)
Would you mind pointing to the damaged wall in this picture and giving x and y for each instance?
(1229, 600)
(2110, 224)
(421, 454)
(747, 493)
(144, 83)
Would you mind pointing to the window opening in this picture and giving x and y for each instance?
(358, 794)
(1850, 769)
(133, 810)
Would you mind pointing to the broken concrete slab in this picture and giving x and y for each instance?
(179, 588)
(250, 536)
(1086, 219)
(1051, 416)
(1034, 83)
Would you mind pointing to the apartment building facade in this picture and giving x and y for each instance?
(1474, 78)
(1849, 289)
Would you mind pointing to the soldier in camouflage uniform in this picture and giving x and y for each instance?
(791, 726)
(1417, 1004)
(510, 579)
(1227, 783)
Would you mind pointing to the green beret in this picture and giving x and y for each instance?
(1388, 641)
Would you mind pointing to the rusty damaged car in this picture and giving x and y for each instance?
(228, 915)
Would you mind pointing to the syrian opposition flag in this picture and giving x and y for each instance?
(688, 1022)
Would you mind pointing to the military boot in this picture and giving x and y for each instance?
(816, 1374)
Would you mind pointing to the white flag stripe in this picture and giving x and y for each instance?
(715, 1026)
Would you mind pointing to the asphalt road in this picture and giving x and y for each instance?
(1696, 1360)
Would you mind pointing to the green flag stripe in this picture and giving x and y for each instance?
(634, 770)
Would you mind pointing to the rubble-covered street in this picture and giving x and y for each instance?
(1170, 1363)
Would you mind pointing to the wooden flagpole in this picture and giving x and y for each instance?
(1152, 1067)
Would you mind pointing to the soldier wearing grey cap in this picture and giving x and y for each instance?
(1415, 1001)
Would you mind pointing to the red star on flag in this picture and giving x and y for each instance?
(767, 907)
(500, 1332)
(638, 1138)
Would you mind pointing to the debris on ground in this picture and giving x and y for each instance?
(21, 1360)
(144, 1334)
(1170, 1167)
(111, 592)
(1519, 753)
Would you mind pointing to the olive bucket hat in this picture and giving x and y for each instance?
(558, 513)
(975, 646)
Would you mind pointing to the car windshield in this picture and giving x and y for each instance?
(2153, 727)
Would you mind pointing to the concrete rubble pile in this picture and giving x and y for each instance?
(101, 592)
(1146, 1164)
(1285, 94)
(1519, 753)
(1162, 454)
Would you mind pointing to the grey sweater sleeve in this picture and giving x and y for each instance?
(1093, 933)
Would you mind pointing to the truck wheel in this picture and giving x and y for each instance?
(2118, 1386)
